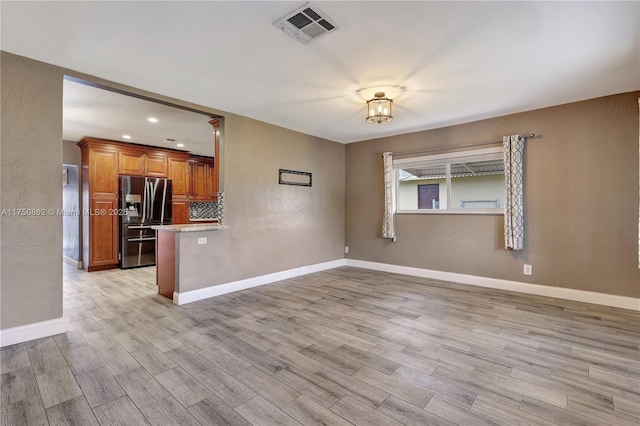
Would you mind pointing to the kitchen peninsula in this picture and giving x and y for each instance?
(173, 243)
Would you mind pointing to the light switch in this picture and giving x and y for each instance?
(202, 240)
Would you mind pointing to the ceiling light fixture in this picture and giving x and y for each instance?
(180, 145)
(379, 109)
(152, 120)
(126, 137)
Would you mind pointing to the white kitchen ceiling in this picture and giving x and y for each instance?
(95, 112)
(448, 62)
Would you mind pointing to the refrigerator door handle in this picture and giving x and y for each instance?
(141, 239)
(144, 201)
(149, 200)
(164, 200)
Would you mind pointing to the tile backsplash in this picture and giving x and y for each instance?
(199, 210)
(203, 210)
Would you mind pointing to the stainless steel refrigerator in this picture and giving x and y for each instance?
(146, 202)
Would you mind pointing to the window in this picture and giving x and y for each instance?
(459, 182)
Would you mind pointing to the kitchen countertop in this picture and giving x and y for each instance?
(191, 227)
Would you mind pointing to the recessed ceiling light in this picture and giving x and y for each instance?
(152, 120)
(126, 137)
(180, 145)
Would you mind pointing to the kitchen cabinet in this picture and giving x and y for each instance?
(103, 234)
(179, 175)
(100, 164)
(204, 185)
(212, 183)
(139, 163)
(198, 179)
(180, 212)
(156, 165)
(194, 178)
(100, 204)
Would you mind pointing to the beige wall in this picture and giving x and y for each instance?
(581, 227)
(31, 164)
(581, 203)
(272, 227)
(71, 153)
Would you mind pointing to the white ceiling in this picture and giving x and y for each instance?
(449, 62)
(92, 111)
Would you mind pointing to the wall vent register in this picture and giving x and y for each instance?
(306, 24)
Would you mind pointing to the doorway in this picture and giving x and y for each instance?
(71, 238)
(429, 196)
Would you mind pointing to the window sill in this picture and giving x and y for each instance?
(454, 211)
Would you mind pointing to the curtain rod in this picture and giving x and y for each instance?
(452, 148)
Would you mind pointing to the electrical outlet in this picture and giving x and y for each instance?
(202, 240)
(527, 270)
(346, 249)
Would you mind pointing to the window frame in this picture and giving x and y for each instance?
(446, 159)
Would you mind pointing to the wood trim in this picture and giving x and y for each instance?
(132, 147)
(101, 267)
(166, 263)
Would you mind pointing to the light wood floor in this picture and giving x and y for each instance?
(346, 346)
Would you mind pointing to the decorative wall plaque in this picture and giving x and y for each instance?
(292, 177)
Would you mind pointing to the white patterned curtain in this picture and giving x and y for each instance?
(514, 199)
(388, 229)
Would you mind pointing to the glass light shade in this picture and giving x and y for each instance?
(379, 109)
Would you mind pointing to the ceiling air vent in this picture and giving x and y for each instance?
(306, 24)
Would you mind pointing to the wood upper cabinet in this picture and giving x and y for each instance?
(198, 180)
(179, 175)
(139, 163)
(204, 180)
(156, 165)
(102, 164)
(131, 163)
(212, 183)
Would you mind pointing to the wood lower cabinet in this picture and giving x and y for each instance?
(103, 234)
(180, 212)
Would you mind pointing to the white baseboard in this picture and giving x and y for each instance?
(520, 287)
(217, 290)
(23, 333)
(70, 261)
(540, 290)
